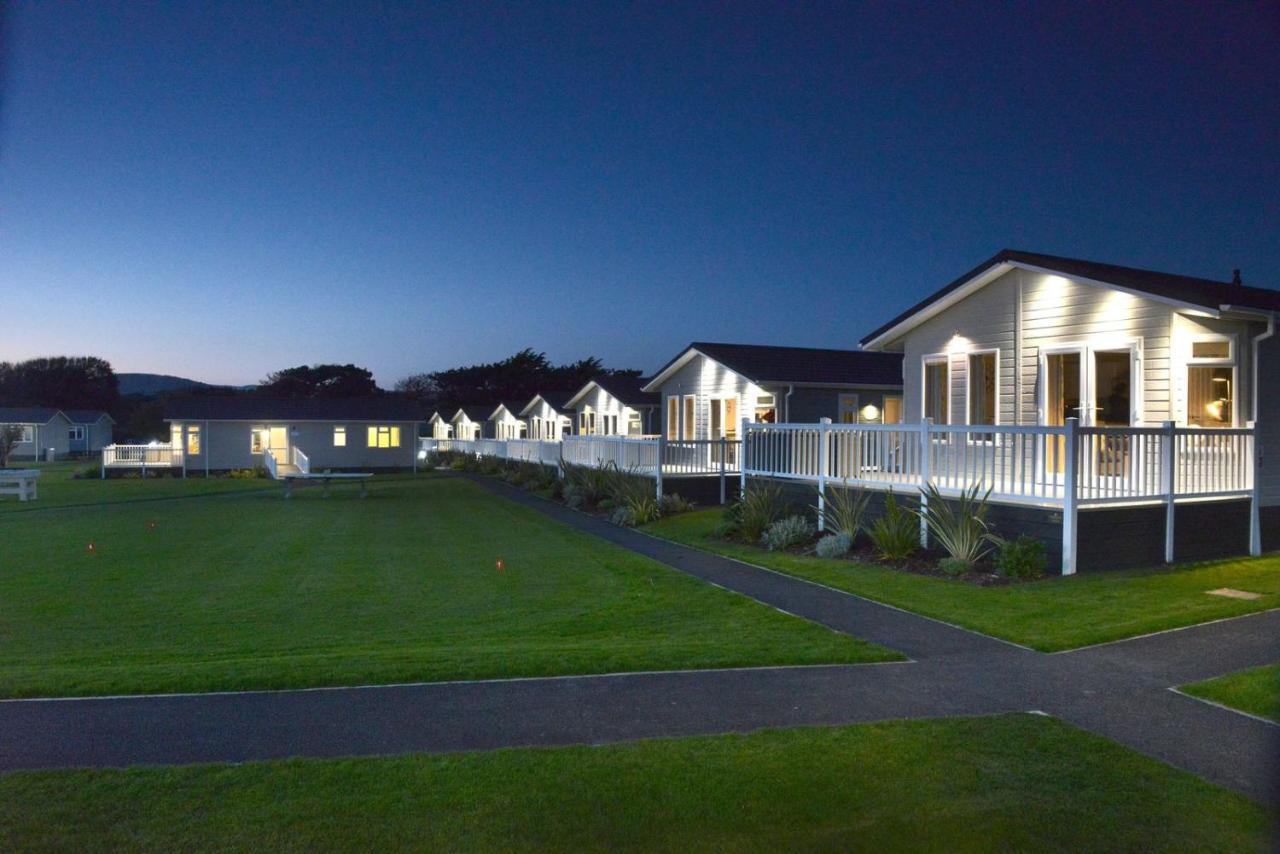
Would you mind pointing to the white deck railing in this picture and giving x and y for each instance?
(300, 460)
(269, 463)
(141, 456)
(1064, 467)
(1018, 464)
(629, 453)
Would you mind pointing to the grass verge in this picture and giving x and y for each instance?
(1256, 691)
(1051, 614)
(1015, 782)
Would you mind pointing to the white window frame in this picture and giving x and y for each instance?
(856, 410)
(688, 408)
(1193, 361)
(76, 433)
(28, 433)
(968, 393)
(934, 359)
(339, 430)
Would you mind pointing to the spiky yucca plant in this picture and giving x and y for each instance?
(959, 525)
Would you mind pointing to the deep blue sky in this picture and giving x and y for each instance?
(223, 192)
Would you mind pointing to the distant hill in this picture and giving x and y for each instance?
(153, 384)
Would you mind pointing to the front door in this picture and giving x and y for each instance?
(277, 442)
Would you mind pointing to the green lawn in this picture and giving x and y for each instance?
(1256, 691)
(253, 591)
(58, 488)
(1016, 782)
(1051, 614)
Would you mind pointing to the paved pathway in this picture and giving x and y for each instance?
(1119, 690)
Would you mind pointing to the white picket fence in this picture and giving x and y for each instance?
(1064, 467)
(638, 455)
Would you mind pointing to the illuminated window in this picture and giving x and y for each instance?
(634, 427)
(937, 404)
(193, 438)
(673, 417)
(1211, 349)
(766, 411)
(848, 409)
(384, 437)
(339, 437)
(689, 426)
(982, 388)
(255, 440)
(1211, 383)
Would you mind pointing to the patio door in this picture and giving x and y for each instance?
(1063, 384)
(1112, 407)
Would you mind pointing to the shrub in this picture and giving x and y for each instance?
(90, 473)
(784, 533)
(844, 510)
(759, 508)
(673, 504)
(896, 534)
(959, 527)
(954, 567)
(1023, 557)
(255, 473)
(834, 545)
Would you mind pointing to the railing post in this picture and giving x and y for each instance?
(742, 460)
(724, 450)
(1255, 491)
(662, 455)
(1168, 484)
(103, 476)
(925, 479)
(824, 433)
(1069, 498)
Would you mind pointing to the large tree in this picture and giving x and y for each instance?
(320, 381)
(64, 382)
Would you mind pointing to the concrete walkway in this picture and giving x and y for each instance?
(1120, 690)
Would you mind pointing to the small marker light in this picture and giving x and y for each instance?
(93, 549)
(501, 565)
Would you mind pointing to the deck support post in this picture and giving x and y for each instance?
(925, 478)
(1255, 492)
(657, 474)
(1069, 512)
(742, 460)
(1168, 457)
(824, 434)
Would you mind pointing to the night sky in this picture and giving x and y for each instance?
(222, 192)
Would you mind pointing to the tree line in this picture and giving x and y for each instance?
(88, 382)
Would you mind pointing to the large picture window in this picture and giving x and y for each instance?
(982, 388)
(673, 418)
(689, 426)
(937, 391)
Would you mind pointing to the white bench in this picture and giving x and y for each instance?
(19, 482)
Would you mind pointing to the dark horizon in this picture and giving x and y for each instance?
(222, 193)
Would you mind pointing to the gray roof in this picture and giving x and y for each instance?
(86, 416)
(27, 414)
(800, 365)
(250, 408)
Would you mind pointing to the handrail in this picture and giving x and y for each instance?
(269, 463)
(300, 460)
